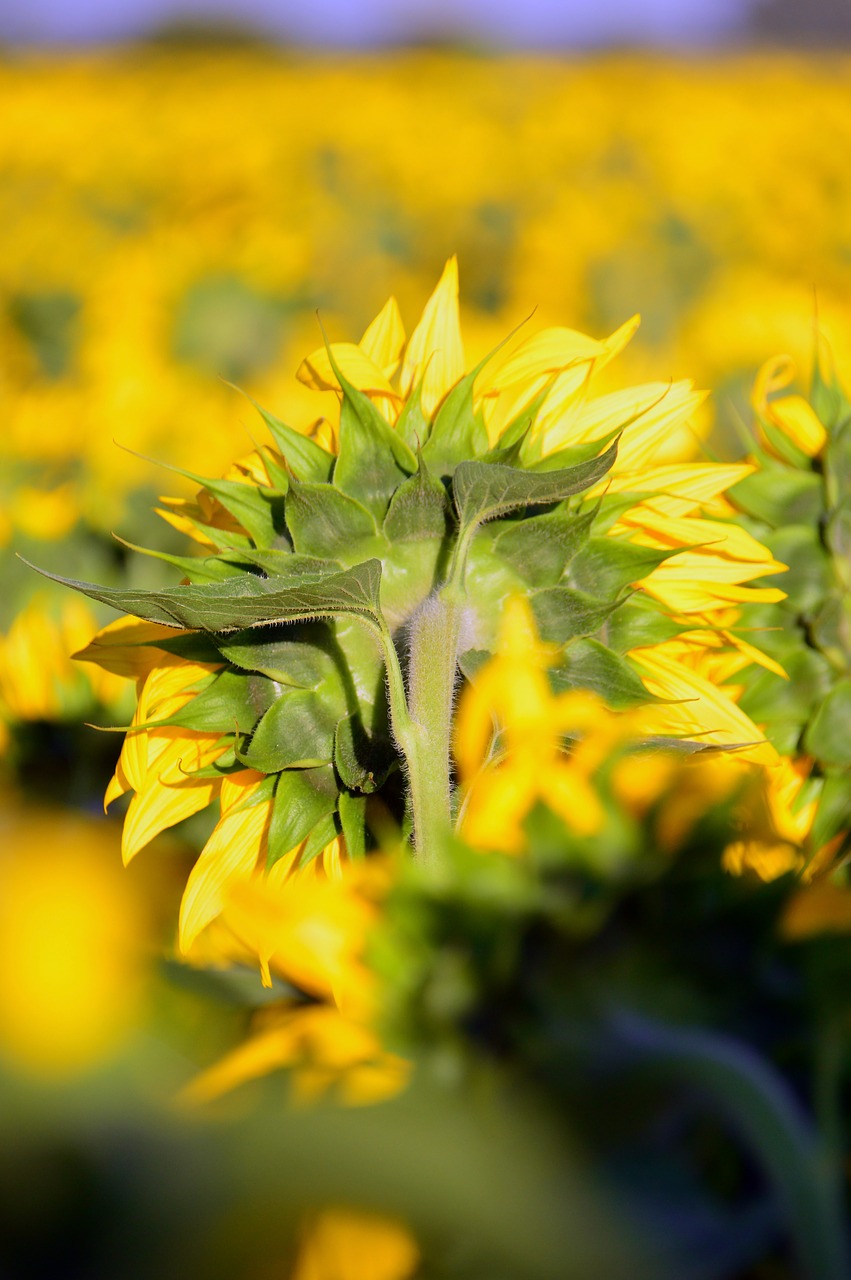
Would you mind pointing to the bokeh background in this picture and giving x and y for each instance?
(182, 187)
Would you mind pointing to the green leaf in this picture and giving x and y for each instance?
(303, 797)
(485, 491)
(828, 737)
(325, 522)
(780, 496)
(605, 566)
(457, 432)
(373, 460)
(809, 577)
(297, 732)
(540, 548)
(305, 458)
(246, 601)
(363, 760)
(352, 811)
(418, 510)
(562, 614)
(769, 699)
(590, 665)
(471, 662)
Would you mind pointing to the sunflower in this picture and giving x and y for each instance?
(354, 570)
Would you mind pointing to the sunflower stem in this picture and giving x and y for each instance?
(432, 673)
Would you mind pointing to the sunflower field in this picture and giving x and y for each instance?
(425, 523)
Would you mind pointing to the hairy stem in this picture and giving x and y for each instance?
(432, 670)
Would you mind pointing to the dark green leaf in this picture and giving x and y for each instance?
(303, 797)
(809, 577)
(562, 614)
(589, 665)
(246, 601)
(540, 548)
(471, 662)
(419, 509)
(195, 568)
(484, 491)
(828, 736)
(575, 453)
(297, 732)
(325, 522)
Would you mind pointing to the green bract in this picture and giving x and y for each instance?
(798, 506)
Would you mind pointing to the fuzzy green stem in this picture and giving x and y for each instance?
(432, 668)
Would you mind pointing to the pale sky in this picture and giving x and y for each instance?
(536, 23)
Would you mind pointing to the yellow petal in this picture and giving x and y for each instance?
(341, 1244)
(820, 908)
(792, 415)
(696, 708)
(678, 489)
(159, 807)
(384, 339)
(232, 853)
(435, 352)
(354, 364)
(126, 647)
(766, 860)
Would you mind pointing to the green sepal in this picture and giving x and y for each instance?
(323, 521)
(586, 664)
(573, 454)
(412, 425)
(780, 496)
(260, 511)
(231, 701)
(540, 548)
(830, 629)
(563, 614)
(606, 566)
(363, 761)
(305, 458)
(222, 539)
(458, 432)
(639, 621)
(373, 460)
(322, 834)
(352, 810)
(784, 706)
(419, 508)
(303, 797)
(516, 434)
(838, 537)
(296, 732)
(834, 810)
(209, 568)
(471, 661)
(809, 576)
(245, 601)
(485, 490)
(279, 477)
(279, 562)
(304, 657)
(828, 737)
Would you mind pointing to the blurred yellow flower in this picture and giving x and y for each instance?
(349, 1244)
(71, 937)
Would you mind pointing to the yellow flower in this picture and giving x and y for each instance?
(793, 416)
(348, 1244)
(512, 693)
(71, 938)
